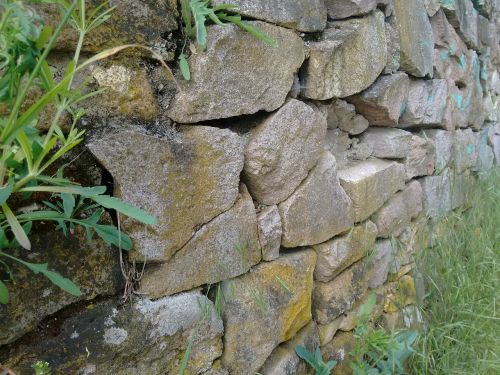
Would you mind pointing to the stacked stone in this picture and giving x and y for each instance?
(296, 182)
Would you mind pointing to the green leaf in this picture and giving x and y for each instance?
(44, 37)
(16, 228)
(183, 64)
(6, 191)
(307, 356)
(68, 201)
(65, 284)
(88, 192)
(258, 33)
(124, 208)
(111, 235)
(4, 293)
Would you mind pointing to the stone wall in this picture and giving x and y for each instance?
(289, 183)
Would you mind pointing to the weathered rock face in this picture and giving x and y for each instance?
(370, 184)
(437, 194)
(426, 103)
(382, 259)
(338, 143)
(347, 59)
(273, 300)
(282, 150)
(341, 114)
(393, 49)
(336, 255)
(332, 299)
(185, 180)
(385, 100)
(402, 294)
(33, 298)
(339, 350)
(463, 17)
(302, 15)
(432, 6)
(485, 157)
(270, 231)
(131, 22)
(421, 158)
(225, 247)
(318, 210)
(149, 337)
(397, 213)
(338, 9)
(387, 143)
(442, 141)
(238, 74)
(415, 37)
(465, 150)
(284, 361)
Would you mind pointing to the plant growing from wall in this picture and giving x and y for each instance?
(196, 14)
(27, 154)
(315, 360)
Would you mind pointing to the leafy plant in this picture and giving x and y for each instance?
(315, 360)
(377, 351)
(41, 368)
(196, 14)
(27, 154)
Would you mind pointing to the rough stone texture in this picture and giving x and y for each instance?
(146, 337)
(463, 16)
(432, 6)
(282, 150)
(464, 150)
(384, 101)
(338, 9)
(387, 143)
(397, 213)
(131, 22)
(341, 114)
(486, 157)
(348, 58)
(319, 208)
(349, 319)
(382, 258)
(259, 302)
(336, 255)
(332, 299)
(185, 180)
(338, 143)
(225, 247)
(302, 15)
(426, 103)
(370, 184)
(442, 141)
(285, 361)
(393, 49)
(269, 225)
(402, 293)
(339, 350)
(238, 74)
(33, 298)
(437, 194)
(415, 37)
(461, 186)
(421, 158)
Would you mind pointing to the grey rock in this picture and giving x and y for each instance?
(464, 150)
(341, 114)
(238, 74)
(338, 143)
(338, 9)
(273, 300)
(421, 158)
(370, 184)
(415, 37)
(146, 337)
(282, 150)
(387, 143)
(185, 180)
(463, 16)
(384, 101)
(437, 194)
(393, 49)
(302, 15)
(225, 247)
(486, 157)
(319, 209)
(336, 255)
(269, 222)
(432, 6)
(442, 141)
(461, 188)
(348, 58)
(382, 258)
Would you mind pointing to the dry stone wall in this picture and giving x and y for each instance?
(289, 183)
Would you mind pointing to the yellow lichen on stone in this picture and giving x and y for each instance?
(402, 295)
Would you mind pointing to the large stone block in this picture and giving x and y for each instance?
(384, 101)
(348, 58)
(397, 213)
(387, 143)
(437, 194)
(370, 184)
(302, 15)
(225, 247)
(319, 209)
(282, 150)
(145, 337)
(265, 308)
(426, 103)
(336, 255)
(284, 360)
(185, 179)
(145, 22)
(238, 74)
(33, 298)
(442, 141)
(338, 9)
(465, 150)
(334, 298)
(463, 16)
(421, 158)
(415, 37)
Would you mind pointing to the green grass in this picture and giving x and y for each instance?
(462, 277)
